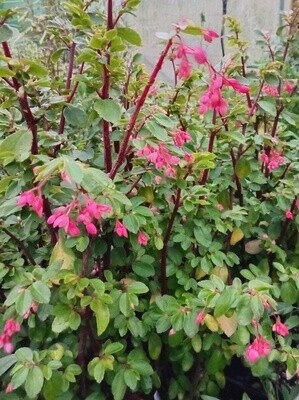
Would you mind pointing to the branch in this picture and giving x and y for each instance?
(164, 252)
(21, 246)
(124, 145)
(24, 104)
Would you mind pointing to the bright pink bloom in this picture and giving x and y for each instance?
(289, 215)
(200, 318)
(269, 90)
(32, 200)
(275, 160)
(188, 157)
(280, 328)
(61, 219)
(91, 229)
(120, 229)
(11, 326)
(181, 137)
(289, 87)
(260, 347)
(160, 156)
(184, 69)
(237, 86)
(73, 229)
(142, 238)
(212, 99)
(9, 388)
(209, 35)
(200, 55)
(6, 343)
(263, 157)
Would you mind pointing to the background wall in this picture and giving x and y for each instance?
(158, 15)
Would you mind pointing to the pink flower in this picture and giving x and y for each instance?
(237, 86)
(263, 157)
(289, 87)
(188, 157)
(91, 229)
(209, 35)
(269, 90)
(120, 229)
(158, 179)
(280, 328)
(200, 55)
(6, 343)
(260, 347)
(220, 207)
(184, 69)
(289, 215)
(9, 388)
(32, 200)
(212, 99)
(275, 160)
(200, 318)
(61, 219)
(159, 156)
(11, 326)
(142, 238)
(181, 137)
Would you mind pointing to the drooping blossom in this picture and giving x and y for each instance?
(200, 318)
(120, 229)
(61, 219)
(200, 55)
(181, 137)
(237, 86)
(142, 238)
(270, 90)
(11, 326)
(209, 35)
(260, 347)
(272, 160)
(212, 99)
(289, 215)
(185, 68)
(33, 309)
(280, 328)
(289, 87)
(160, 157)
(220, 207)
(33, 200)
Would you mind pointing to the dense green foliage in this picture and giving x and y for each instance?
(145, 243)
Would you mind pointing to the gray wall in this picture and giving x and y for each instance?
(158, 15)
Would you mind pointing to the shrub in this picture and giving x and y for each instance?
(149, 232)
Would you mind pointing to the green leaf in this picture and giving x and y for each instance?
(131, 222)
(157, 131)
(61, 252)
(24, 302)
(102, 315)
(6, 362)
(73, 170)
(242, 168)
(40, 292)
(118, 386)
(108, 109)
(99, 372)
(19, 377)
(5, 33)
(129, 35)
(154, 346)
(269, 107)
(34, 382)
(137, 288)
(131, 378)
(224, 302)
(124, 304)
(143, 269)
(24, 354)
(113, 348)
(164, 120)
(75, 116)
(16, 147)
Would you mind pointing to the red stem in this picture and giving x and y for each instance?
(24, 104)
(124, 145)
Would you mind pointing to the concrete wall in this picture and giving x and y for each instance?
(158, 15)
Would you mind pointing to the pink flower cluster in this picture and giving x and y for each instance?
(273, 91)
(89, 214)
(212, 99)
(121, 230)
(33, 200)
(273, 160)
(160, 157)
(200, 318)
(181, 137)
(260, 347)
(32, 309)
(185, 69)
(10, 328)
